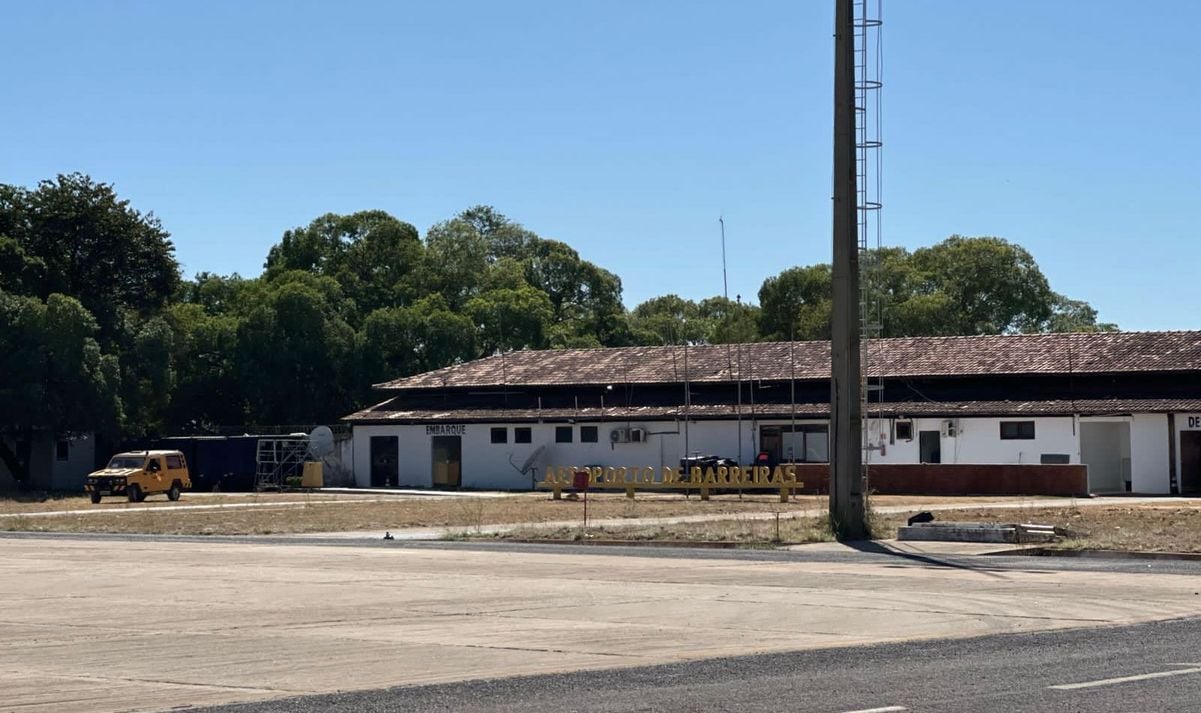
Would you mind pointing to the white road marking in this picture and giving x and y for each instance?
(173, 508)
(885, 709)
(1123, 679)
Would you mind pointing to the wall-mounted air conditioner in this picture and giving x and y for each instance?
(619, 435)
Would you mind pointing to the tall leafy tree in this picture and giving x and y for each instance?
(510, 318)
(74, 236)
(295, 357)
(91, 245)
(54, 377)
(377, 259)
(731, 321)
(992, 285)
(796, 304)
(457, 257)
(669, 319)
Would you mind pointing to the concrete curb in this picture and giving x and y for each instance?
(688, 544)
(1098, 554)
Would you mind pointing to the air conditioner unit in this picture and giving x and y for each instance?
(950, 428)
(619, 435)
(637, 435)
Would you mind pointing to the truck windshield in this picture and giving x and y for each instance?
(126, 462)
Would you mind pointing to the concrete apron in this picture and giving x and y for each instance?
(149, 625)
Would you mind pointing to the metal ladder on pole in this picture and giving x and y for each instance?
(869, 202)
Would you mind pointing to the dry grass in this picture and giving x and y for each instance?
(1148, 527)
(313, 513)
(35, 502)
(1144, 528)
(293, 514)
(744, 531)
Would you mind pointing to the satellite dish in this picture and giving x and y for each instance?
(528, 465)
(321, 442)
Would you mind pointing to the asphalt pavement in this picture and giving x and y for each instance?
(1148, 667)
(110, 623)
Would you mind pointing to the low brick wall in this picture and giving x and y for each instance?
(960, 479)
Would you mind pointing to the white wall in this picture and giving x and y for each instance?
(49, 473)
(491, 465)
(978, 440)
(414, 454)
(1149, 453)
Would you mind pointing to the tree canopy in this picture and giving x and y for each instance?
(102, 333)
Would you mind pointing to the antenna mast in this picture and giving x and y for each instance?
(725, 293)
(847, 509)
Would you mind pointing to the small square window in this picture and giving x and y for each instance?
(523, 434)
(562, 434)
(500, 435)
(904, 430)
(588, 434)
(1017, 430)
(62, 450)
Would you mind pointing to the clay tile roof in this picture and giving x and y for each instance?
(387, 413)
(1079, 353)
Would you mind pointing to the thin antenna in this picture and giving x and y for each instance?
(792, 387)
(725, 293)
(725, 288)
(504, 375)
(739, 387)
(687, 400)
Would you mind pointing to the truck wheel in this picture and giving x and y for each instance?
(173, 493)
(95, 496)
(135, 494)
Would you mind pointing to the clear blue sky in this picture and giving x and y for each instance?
(626, 128)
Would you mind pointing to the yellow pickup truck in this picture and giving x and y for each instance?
(137, 474)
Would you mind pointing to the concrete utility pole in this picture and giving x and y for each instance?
(846, 441)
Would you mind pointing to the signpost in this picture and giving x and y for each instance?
(579, 481)
(781, 479)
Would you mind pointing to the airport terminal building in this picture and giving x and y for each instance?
(1125, 404)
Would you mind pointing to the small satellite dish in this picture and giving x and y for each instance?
(321, 442)
(530, 462)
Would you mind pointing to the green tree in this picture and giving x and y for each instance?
(207, 390)
(796, 304)
(295, 356)
(457, 257)
(669, 319)
(54, 378)
(504, 237)
(730, 321)
(1068, 315)
(401, 341)
(961, 286)
(991, 285)
(509, 318)
(375, 258)
(83, 241)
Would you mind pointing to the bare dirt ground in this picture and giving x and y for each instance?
(1170, 526)
(33, 502)
(1173, 527)
(295, 513)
